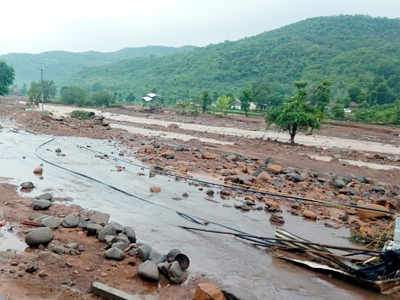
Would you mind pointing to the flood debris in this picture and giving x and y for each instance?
(110, 293)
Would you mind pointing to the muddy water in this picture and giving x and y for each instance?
(314, 140)
(229, 261)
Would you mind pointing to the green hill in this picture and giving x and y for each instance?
(61, 64)
(346, 49)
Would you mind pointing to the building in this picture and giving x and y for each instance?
(151, 98)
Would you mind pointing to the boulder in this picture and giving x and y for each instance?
(208, 155)
(48, 221)
(155, 189)
(274, 169)
(112, 228)
(93, 229)
(46, 196)
(309, 214)
(39, 236)
(130, 233)
(115, 254)
(149, 271)
(38, 171)
(208, 291)
(40, 204)
(70, 221)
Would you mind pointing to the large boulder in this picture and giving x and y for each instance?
(39, 236)
(130, 233)
(149, 271)
(70, 221)
(48, 221)
(112, 228)
(93, 229)
(115, 254)
(40, 204)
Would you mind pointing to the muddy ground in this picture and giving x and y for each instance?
(257, 164)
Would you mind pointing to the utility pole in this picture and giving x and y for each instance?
(42, 85)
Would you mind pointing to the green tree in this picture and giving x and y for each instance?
(222, 104)
(49, 90)
(245, 100)
(7, 77)
(102, 98)
(338, 111)
(295, 115)
(131, 97)
(205, 101)
(321, 95)
(35, 93)
(73, 95)
(355, 93)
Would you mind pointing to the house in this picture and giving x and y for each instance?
(151, 98)
(237, 104)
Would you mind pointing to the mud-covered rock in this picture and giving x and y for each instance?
(149, 271)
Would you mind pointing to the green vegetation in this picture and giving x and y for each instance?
(295, 115)
(59, 65)
(102, 99)
(6, 78)
(347, 51)
(222, 104)
(245, 101)
(81, 114)
(73, 95)
(36, 89)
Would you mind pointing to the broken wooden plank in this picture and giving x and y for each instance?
(111, 293)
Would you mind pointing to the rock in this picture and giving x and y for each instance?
(276, 219)
(208, 291)
(309, 214)
(31, 268)
(122, 245)
(369, 214)
(48, 221)
(38, 171)
(339, 183)
(144, 252)
(39, 236)
(274, 169)
(130, 233)
(238, 294)
(272, 205)
(263, 177)
(98, 217)
(70, 221)
(238, 204)
(27, 186)
(115, 254)
(155, 189)
(58, 250)
(185, 195)
(149, 271)
(112, 228)
(93, 229)
(295, 177)
(210, 193)
(40, 204)
(173, 126)
(378, 189)
(208, 155)
(175, 273)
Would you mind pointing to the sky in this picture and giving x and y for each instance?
(82, 25)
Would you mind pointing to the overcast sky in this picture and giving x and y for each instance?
(80, 25)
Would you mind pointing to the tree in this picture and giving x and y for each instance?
(102, 98)
(73, 95)
(205, 101)
(131, 97)
(35, 93)
(7, 76)
(245, 100)
(295, 115)
(338, 111)
(321, 95)
(222, 104)
(49, 90)
(355, 94)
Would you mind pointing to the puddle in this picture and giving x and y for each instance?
(225, 259)
(9, 241)
(314, 140)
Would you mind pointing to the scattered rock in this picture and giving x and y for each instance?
(276, 219)
(263, 177)
(38, 171)
(309, 214)
(39, 236)
(208, 291)
(27, 186)
(155, 189)
(274, 169)
(149, 271)
(70, 221)
(93, 229)
(48, 221)
(210, 193)
(295, 177)
(112, 228)
(31, 268)
(208, 155)
(339, 183)
(40, 204)
(115, 254)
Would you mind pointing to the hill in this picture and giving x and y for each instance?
(348, 50)
(61, 64)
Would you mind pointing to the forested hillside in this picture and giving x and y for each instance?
(61, 64)
(351, 51)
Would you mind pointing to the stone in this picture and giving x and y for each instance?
(115, 254)
(155, 189)
(274, 169)
(235, 293)
(27, 186)
(31, 268)
(39, 236)
(120, 245)
(130, 233)
(208, 291)
(149, 271)
(40, 204)
(38, 171)
(208, 155)
(93, 229)
(144, 252)
(263, 177)
(339, 183)
(276, 219)
(48, 221)
(71, 221)
(295, 177)
(58, 250)
(98, 217)
(112, 228)
(210, 193)
(309, 214)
